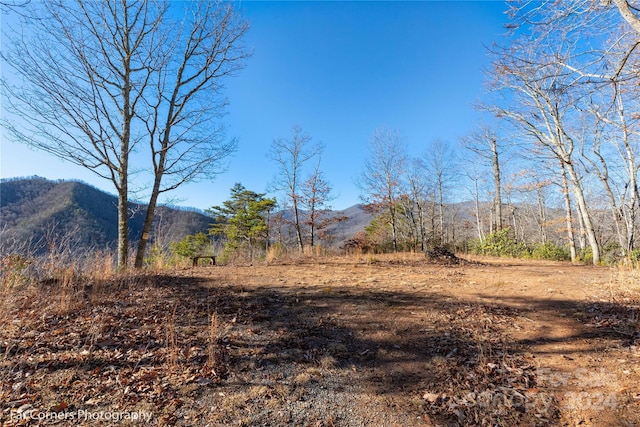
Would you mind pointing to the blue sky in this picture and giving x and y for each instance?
(338, 70)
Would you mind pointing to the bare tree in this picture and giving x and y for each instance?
(605, 72)
(542, 103)
(418, 190)
(291, 155)
(381, 180)
(80, 72)
(484, 143)
(90, 81)
(568, 213)
(186, 140)
(476, 176)
(439, 161)
(315, 197)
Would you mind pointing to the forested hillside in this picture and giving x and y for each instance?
(36, 212)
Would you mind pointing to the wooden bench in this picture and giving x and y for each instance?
(195, 259)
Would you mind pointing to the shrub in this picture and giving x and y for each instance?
(550, 251)
(501, 243)
(611, 253)
(634, 255)
(192, 245)
(13, 270)
(585, 255)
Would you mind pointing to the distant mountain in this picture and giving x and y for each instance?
(35, 212)
(346, 223)
(357, 218)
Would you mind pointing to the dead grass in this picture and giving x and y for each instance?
(344, 341)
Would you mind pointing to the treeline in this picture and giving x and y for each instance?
(556, 156)
(250, 226)
(563, 104)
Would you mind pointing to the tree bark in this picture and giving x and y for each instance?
(123, 226)
(628, 15)
(568, 215)
(146, 227)
(497, 182)
(586, 218)
(296, 215)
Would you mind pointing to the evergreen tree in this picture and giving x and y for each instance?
(243, 220)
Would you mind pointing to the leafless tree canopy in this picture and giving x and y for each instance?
(291, 156)
(382, 177)
(94, 82)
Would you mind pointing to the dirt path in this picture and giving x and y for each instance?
(575, 320)
(576, 325)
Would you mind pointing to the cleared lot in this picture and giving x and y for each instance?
(345, 341)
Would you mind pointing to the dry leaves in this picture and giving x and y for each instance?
(143, 348)
(344, 344)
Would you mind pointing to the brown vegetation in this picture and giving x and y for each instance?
(347, 341)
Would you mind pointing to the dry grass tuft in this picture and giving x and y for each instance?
(171, 340)
(214, 362)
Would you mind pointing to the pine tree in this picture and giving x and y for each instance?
(242, 220)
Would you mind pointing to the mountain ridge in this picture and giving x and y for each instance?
(35, 212)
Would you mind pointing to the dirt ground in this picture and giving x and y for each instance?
(370, 340)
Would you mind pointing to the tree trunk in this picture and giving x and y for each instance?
(582, 241)
(478, 220)
(148, 220)
(630, 214)
(567, 204)
(296, 217)
(394, 234)
(159, 169)
(441, 238)
(497, 183)
(423, 231)
(586, 218)
(617, 212)
(627, 12)
(419, 227)
(542, 215)
(123, 185)
(123, 225)
(312, 224)
(433, 220)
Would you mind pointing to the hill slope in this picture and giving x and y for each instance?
(36, 212)
(357, 218)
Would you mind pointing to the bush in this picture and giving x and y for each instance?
(13, 271)
(550, 251)
(501, 243)
(586, 255)
(611, 253)
(193, 245)
(634, 255)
